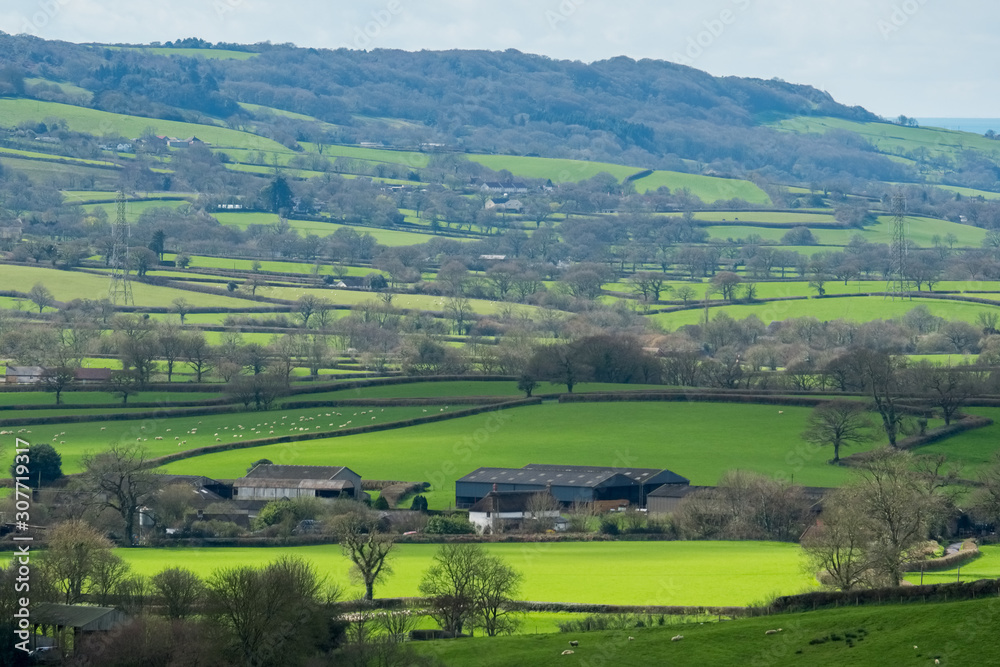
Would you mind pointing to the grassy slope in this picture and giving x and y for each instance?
(954, 633)
(683, 573)
(887, 137)
(859, 309)
(80, 119)
(69, 285)
(389, 237)
(88, 437)
(695, 440)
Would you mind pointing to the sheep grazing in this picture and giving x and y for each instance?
(631, 639)
(771, 632)
(567, 652)
(103, 428)
(574, 643)
(677, 638)
(159, 437)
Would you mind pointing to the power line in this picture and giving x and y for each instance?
(898, 286)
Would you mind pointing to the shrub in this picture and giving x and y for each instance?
(419, 504)
(609, 526)
(286, 512)
(380, 503)
(449, 525)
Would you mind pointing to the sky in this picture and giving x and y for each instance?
(921, 58)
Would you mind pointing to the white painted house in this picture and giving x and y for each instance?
(499, 511)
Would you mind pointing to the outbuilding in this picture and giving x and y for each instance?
(268, 481)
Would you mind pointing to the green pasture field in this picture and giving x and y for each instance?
(216, 337)
(891, 138)
(634, 573)
(133, 209)
(220, 54)
(388, 237)
(474, 388)
(100, 123)
(67, 88)
(33, 155)
(695, 440)
(52, 172)
(707, 188)
(410, 301)
(857, 309)
(69, 285)
(920, 230)
(89, 437)
(95, 397)
(969, 192)
(768, 290)
(559, 170)
(792, 219)
(974, 449)
(411, 159)
(953, 633)
(987, 566)
(944, 359)
(275, 266)
(260, 108)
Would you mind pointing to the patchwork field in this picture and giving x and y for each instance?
(692, 439)
(952, 633)
(655, 573)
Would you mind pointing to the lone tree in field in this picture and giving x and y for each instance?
(120, 480)
(839, 424)
(367, 547)
(527, 383)
(41, 296)
(725, 283)
(467, 587)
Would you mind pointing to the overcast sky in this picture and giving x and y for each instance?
(915, 57)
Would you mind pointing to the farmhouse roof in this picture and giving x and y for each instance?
(579, 476)
(641, 475)
(92, 373)
(25, 371)
(285, 472)
(674, 491)
(81, 617)
(507, 501)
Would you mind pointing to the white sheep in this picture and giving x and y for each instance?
(567, 652)
(677, 638)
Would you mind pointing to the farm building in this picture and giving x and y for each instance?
(665, 499)
(75, 620)
(92, 375)
(506, 510)
(269, 482)
(568, 484)
(24, 374)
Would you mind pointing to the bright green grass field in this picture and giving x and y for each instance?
(697, 440)
(388, 237)
(88, 437)
(707, 188)
(96, 397)
(974, 448)
(633, 573)
(473, 388)
(913, 635)
(986, 566)
(792, 219)
(69, 285)
(888, 137)
(858, 309)
(276, 266)
(92, 121)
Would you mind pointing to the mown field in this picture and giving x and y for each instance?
(73, 440)
(855, 308)
(655, 573)
(66, 286)
(953, 633)
(696, 440)
(100, 123)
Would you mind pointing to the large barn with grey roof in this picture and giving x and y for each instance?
(568, 484)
